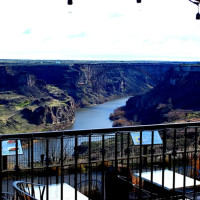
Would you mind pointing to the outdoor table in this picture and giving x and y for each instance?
(168, 179)
(68, 192)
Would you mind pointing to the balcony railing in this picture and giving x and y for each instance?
(104, 156)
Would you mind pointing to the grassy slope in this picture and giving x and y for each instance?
(11, 119)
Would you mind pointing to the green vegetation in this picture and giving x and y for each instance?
(10, 95)
(193, 115)
(56, 92)
(16, 124)
(117, 114)
(182, 115)
(55, 102)
(11, 117)
(23, 104)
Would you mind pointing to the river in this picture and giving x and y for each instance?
(93, 117)
(96, 116)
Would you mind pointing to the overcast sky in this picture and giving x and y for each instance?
(99, 29)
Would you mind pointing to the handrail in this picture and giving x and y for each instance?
(91, 181)
(18, 185)
(117, 150)
(49, 134)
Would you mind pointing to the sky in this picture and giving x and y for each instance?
(99, 30)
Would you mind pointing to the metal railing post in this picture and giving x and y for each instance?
(16, 158)
(29, 153)
(61, 163)
(128, 154)
(174, 159)
(164, 156)
(103, 164)
(195, 160)
(116, 151)
(47, 169)
(32, 162)
(185, 160)
(152, 152)
(1, 167)
(90, 170)
(140, 170)
(122, 147)
(76, 163)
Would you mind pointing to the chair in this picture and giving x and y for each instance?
(28, 191)
(192, 195)
(7, 196)
(134, 192)
(189, 171)
(91, 189)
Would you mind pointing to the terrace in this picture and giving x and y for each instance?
(62, 163)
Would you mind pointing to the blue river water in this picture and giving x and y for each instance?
(96, 116)
(86, 118)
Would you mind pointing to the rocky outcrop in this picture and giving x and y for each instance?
(53, 115)
(50, 115)
(177, 95)
(28, 85)
(5, 76)
(26, 99)
(22, 82)
(92, 84)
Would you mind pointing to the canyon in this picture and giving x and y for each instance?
(42, 95)
(175, 99)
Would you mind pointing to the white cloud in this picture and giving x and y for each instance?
(94, 29)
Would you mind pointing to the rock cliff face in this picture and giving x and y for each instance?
(45, 94)
(28, 85)
(95, 82)
(5, 76)
(22, 82)
(53, 115)
(30, 104)
(174, 99)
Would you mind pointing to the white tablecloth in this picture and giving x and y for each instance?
(55, 193)
(168, 179)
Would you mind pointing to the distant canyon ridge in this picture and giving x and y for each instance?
(38, 95)
(174, 99)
